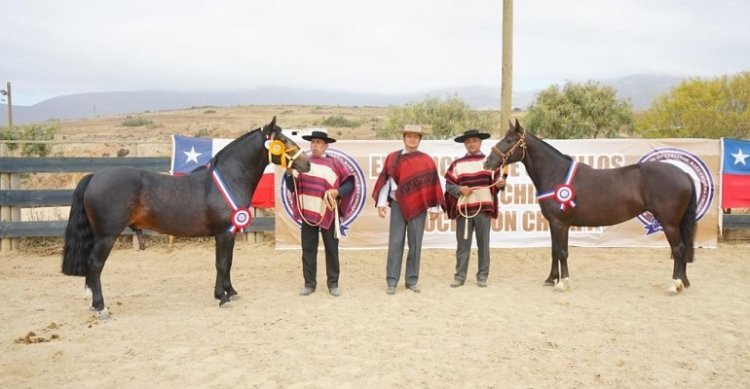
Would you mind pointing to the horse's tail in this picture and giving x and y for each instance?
(688, 224)
(79, 237)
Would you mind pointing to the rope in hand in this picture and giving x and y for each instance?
(329, 202)
(465, 213)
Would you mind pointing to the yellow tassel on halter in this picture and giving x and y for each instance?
(277, 148)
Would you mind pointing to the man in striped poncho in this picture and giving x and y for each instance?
(471, 199)
(318, 193)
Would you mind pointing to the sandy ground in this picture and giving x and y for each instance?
(616, 328)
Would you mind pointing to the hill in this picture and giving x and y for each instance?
(640, 89)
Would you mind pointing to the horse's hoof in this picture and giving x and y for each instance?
(563, 286)
(224, 301)
(550, 282)
(103, 314)
(675, 287)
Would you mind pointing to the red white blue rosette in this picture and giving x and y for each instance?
(241, 218)
(565, 194)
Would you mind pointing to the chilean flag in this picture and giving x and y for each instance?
(189, 153)
(735, 173)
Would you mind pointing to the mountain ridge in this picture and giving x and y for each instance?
(640, 89)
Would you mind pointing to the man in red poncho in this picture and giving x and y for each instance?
(410, 185)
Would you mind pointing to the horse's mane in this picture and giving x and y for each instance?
(228, 149)
(549, 147)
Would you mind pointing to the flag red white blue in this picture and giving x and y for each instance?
(189, 153)
(735, 173)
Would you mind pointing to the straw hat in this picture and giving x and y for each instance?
(413, 129)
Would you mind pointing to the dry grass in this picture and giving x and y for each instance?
(106, 136)
(217, 122)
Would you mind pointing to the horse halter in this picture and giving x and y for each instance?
(505, 156)
(277, 148)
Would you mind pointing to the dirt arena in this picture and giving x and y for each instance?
(616, 328)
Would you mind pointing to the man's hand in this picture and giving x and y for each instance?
(465, 190)
(500, 184)
(334, 193)
(381, 212)
(434, 215)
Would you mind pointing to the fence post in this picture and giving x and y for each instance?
(15, 212)
(5, 243)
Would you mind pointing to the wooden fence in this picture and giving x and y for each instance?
(12, 198)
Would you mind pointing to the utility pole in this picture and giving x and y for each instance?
(506, 89)
(10, 107)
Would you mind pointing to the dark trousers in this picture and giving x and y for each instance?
(481, 225)
(310, 238)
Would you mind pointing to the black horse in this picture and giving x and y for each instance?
(211, 200)
(579, 195)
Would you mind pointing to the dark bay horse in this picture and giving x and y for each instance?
(579, 195)
(209, 201)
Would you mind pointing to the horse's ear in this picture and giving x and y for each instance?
(270, 128)
(518, 126)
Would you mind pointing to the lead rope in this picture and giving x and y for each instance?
(329, 202)
(465, 213)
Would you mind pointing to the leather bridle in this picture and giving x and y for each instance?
(278, 148)
(505, 156)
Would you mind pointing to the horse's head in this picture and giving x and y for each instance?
(512, 148)
(284, 151)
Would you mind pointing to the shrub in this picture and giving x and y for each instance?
(339, 121)
(32, 133)
(137, 121)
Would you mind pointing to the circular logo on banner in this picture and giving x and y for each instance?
(698, 172)
(359, 193)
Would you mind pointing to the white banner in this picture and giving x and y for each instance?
(520, 222)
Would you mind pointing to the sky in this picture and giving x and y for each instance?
(50, 48)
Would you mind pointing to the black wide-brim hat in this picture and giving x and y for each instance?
(471, 134)
(319, 135)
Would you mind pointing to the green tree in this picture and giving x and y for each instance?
(445, 118)
(701, 108)
(579, 111)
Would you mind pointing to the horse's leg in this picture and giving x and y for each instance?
(99, 254)
(554, 274)
(684, 274)
(679, 268)
(224, 248)
(228, 280)
(559, 233)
